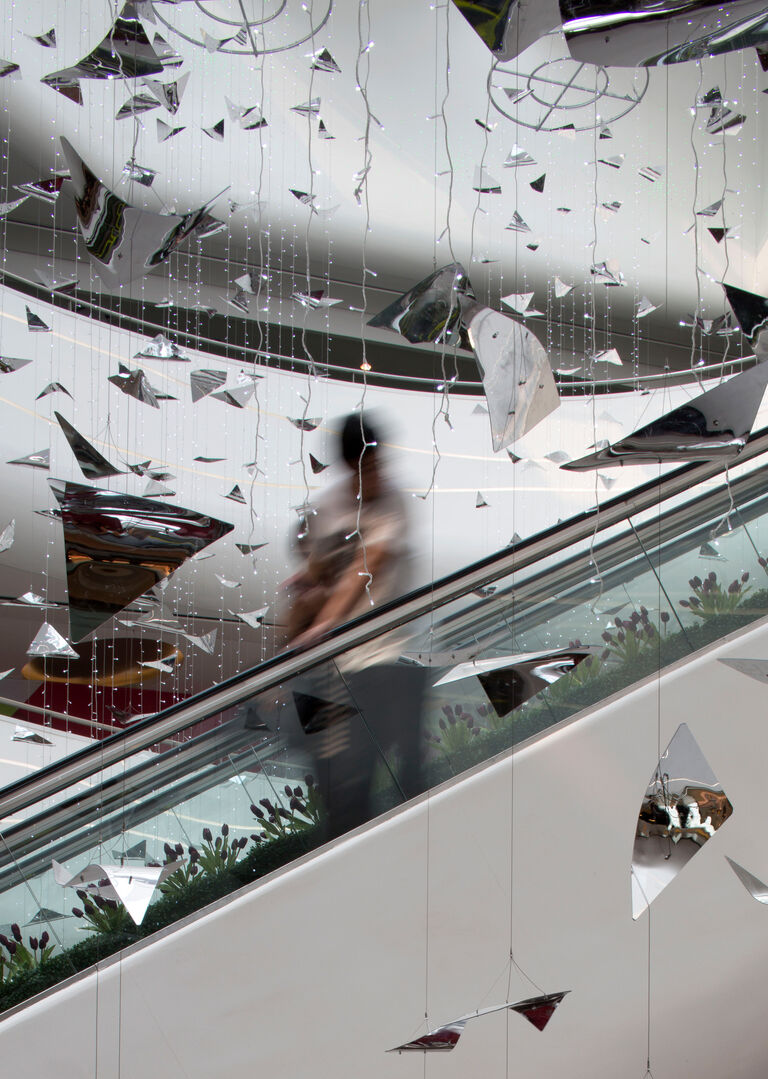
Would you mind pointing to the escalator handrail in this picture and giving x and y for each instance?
(56, 777)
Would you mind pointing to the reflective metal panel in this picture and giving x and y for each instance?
(92, 464)
(131, 885)
(683, 807)
(715, 424)
(509, 681)
(430, 310)
(751, 313)
(125, 53)
(119, 546)
(508, 27)
(125, 242)
(754, 886)
(517, 377)
(647, 32)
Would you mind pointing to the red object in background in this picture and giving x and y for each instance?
(113, 707)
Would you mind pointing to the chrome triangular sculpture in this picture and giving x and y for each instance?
(430, 311)
(714, 424)
(517, 377)
(753, 884)
(117, 547)
(92, 464)
(683, 806)
(751, 312)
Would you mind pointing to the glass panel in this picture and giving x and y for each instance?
(249, 788)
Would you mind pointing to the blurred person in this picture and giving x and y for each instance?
(355, 550)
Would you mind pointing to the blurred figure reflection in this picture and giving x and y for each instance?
(361, 712)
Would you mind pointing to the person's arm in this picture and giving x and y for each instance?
(345, 595)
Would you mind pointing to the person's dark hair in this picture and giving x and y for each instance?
(357, 434)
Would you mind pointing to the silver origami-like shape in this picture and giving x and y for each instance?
(11, 363)
(236, 396)
(131, 885)
(714, 424)
(7, 536)
(7, 67)
(8, 207)
(510, 681)
(316, 466)
(92, 464)
(155, 489)
(249, 548)
(236, 495)
(24, 734)
(47, 40)
(35, 324)
(323, 61)
(517, 377)
(647, 33)
(136, 105)
(45, 190)
(508, 27)
(39, 459)
(49, 642)
(430, 311)
(537, 1010)
(117, 547)
(161, 348)
(135, 384)
(56, 282)
(306, 424)
(517, 158)
(123, 241)
(169, 94)
(138, 173)
(254, 619)
(753, 668)
(317, 299)
(46, 914)
(754, 886)
(751, 312)
(682, 808)
(138, 852)
(205, 381)
(166, 131)
(216, 132)
(125, 53)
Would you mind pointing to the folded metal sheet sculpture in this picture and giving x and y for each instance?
(683, 807)
(508, 27)
(205, 381)
(751, 312)
(119, 546)
(430, 311)
(517, 377)
(125, 53)
(509, 681)
(537, 1010)
(649, 32)
(38, 459)
(24, 734)
(753, 668)
(123, 241)
(92, 464)
(715, 424)
(754, 886)
(131, 885)
(49, 642)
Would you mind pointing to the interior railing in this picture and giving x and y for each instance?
(380, 710)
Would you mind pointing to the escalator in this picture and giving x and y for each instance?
(256, 774)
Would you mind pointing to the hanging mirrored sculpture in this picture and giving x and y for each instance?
(751, 312)
(119, 546)
(92, 464)
(537, 1010)
(39, 459)
(717, 423)
(754, 886)
(429, 311)
(123, 241)
(509, 27)
(682, 808)
(35, 324)
(510, 681)
(131, 885)
(24, 734)
(49, 642)
(517, 378)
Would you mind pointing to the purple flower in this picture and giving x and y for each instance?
(762, 562)
(77, 912)
(82, 894)
(744, 578)
(296, 805)
(225, 830)
(242, 842)
(44, 939)
(179, 849)
(194, 855)
(257, 812)
(309, 780)
(694, 602)
(442, 725)
(284, 813)
(207, 836)
(733, 588)
(288, 790)
(298, 792)
(168, 850)
(16, 932)
(684, 603)
(12, 947)
(712, 576)
(3, 939)
(664, 617)
(607, 637)
(33, 943)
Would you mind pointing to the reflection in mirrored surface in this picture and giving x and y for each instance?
(517, 377)
(751, 313)
(509, 681)
(649, 32)
(754, 886)
(714, 424)
(508, 27)
(125, 242)
(119, 546)
(92, 464)
(430, 310)
(683, 807)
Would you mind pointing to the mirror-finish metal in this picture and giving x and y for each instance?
(537, 1010)
(683, 806)
(429, 311)
(508, 27)
(715, 424)
(119, 546)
